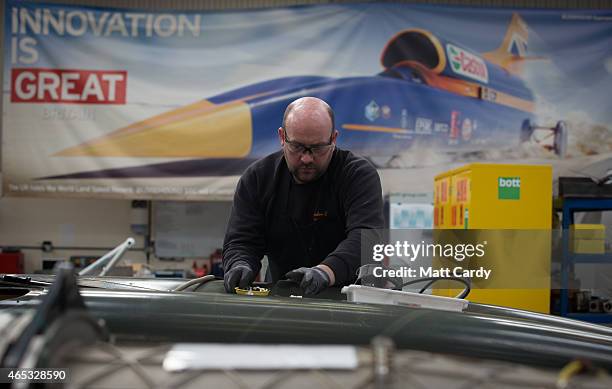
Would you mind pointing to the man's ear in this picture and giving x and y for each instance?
(335, 136)
(281, 138)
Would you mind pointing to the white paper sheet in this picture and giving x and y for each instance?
(202, 356)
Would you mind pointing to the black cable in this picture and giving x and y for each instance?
(464, 293)
(430, 283)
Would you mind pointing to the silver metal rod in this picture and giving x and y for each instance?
(121, 249)
(102, 260)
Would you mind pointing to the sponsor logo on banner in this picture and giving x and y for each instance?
(423, 126)
(509, 188)
(454, 125)
(440, 127)
(372, 111)
(467, 64)
(488, 94)
(404, 118)
(466, 129)
(35, 85)
(386, 112)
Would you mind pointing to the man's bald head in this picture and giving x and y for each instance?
(308, 137)
(308, 107)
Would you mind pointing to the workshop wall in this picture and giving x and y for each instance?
(66, 223)
(78, 227)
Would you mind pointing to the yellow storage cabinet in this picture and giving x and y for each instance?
(494, 198)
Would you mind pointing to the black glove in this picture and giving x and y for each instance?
(312, 279)
(239, 274)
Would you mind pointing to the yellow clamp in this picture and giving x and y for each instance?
(252, 291)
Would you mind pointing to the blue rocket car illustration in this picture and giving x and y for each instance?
(431, 91)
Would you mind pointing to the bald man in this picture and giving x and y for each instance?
(303, 206)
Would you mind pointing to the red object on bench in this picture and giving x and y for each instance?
(11, 263)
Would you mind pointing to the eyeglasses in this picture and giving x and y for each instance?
(299, 148)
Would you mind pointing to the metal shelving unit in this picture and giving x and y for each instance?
(570, 205)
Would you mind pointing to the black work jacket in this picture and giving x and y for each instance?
(348, 199)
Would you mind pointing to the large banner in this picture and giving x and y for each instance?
(102, 102)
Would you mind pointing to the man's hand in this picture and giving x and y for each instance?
(312, 279)
(239, 274)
